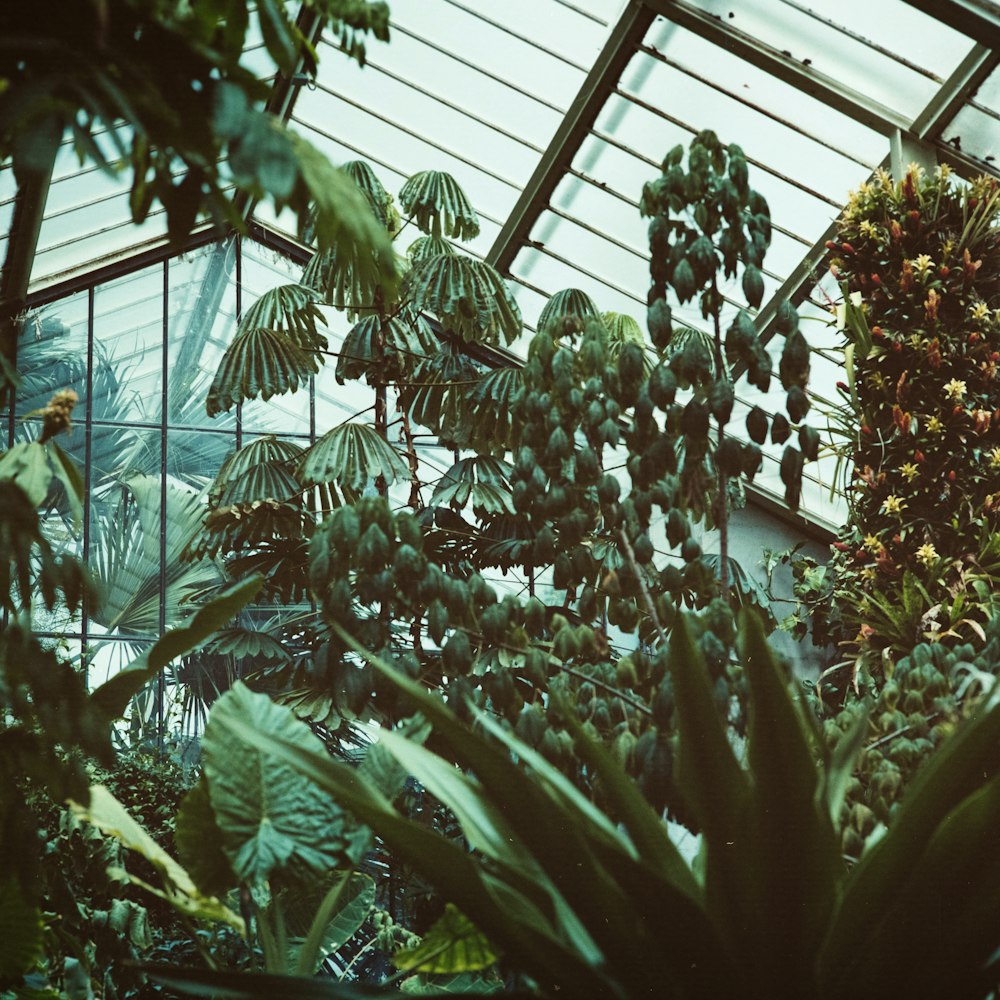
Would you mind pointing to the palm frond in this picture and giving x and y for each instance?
(483, 480)
(371, 187)
(259, 362)
(351, 455)
(438, 205)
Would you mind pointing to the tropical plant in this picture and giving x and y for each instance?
(919, 259)
(161, 90)
(51, 724)
(583, 902)
(538, 489)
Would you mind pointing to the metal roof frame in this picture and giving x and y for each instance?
(919, 138)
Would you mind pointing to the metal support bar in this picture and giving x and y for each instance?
(26, 225)
(905, 148)
(979, 19)
(577, 122)
(782, 65)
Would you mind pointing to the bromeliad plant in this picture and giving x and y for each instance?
(587, 903)
(919, 259)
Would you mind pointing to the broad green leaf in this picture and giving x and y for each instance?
(452, 945)
(272, 819)
(910, 953)
(106, 813)
(199, 843)
(352, 455)
(793, 854)
(960, 768)
(439, 206)
(113, 695)
(27, 466)
(461, 984)
(336, 917)
(509, 918)
(20, 931)
(67, 472)
(225, 985)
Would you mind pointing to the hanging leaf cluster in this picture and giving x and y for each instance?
(708, 226)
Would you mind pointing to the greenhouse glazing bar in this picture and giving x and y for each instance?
(577, 122)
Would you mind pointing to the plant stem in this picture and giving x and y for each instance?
(722, 501)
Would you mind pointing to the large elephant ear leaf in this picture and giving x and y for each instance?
(259, 362)
(438, 205)
(271, 818)
(452, 945)
(568, 307)
(469, 298)
(351, 455)
(291, 310)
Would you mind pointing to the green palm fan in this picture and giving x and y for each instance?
(438, 205)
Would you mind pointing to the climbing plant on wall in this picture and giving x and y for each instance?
(919, 259)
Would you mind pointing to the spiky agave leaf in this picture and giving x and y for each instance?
(469, 298)
(291, 310)
(351, 455)
(438, 205)
(570, 306)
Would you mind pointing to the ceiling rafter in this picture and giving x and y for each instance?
(622, 41)
(979, 19)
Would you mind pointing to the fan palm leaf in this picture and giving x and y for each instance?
(291, 310)
(469, 298)
(570, 306)
(351, 455)
(438, 205)
(259, 362)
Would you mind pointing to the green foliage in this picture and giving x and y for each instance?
(586, 906)
(919, 260)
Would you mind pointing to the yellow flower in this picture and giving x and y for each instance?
(916, 170)
(955, 389)
(943, 171)
(872, 544)
(868, 573)
(979, 311)
(995, 458)
(922, 264)
(926, 554)
(893, 504)
(910, 471)
(868, 229)
(934, 425)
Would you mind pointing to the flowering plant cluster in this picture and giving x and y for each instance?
(919, 262)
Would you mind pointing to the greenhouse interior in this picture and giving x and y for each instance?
(500, 498)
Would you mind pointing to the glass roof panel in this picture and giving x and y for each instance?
(894, 73)
(975, 129)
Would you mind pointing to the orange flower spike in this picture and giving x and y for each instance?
(931, 305)
(906, 280)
